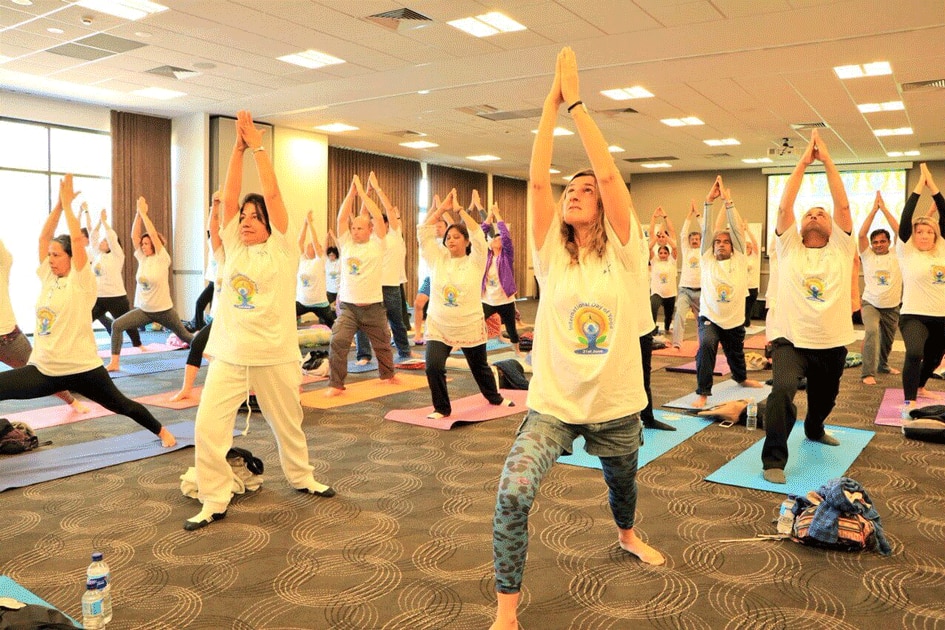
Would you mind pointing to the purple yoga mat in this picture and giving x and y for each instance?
(469, 409)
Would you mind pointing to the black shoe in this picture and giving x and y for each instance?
(658, 425)
(327, 493)
(195, 525)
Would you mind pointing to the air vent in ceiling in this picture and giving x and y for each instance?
(80, 52)
(915, 86)
(929, 145)
(406, 134)
(399, 20)
(810, 125)
(658, 158)
(94, 47)
(513, 114)
(478, 110)
(619, 110)
(716, 156)
(173, 72)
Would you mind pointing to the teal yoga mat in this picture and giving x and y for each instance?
(810, 465)
(655, 442)
(11, 588)
(46, 464)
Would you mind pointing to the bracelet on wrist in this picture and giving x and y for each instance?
(258, 149)
(574, 104)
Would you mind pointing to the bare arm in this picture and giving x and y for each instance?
(347, 207)
(863, 235)
(610, 184)
(148, 226)
(541, 201)
(380, 228)
(310, 221)
(893, 223)
(791, 188)
(66, 196)
(136, 232)
(49, 225)
(275, 204)
(233, 184)
(841, 205)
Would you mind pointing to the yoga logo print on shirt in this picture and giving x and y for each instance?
(938, 274)
(663, 278)
(592, 323)
(145, 284)
(45, 319)
(450, 295)
(814, 288)
(882, 277)
(97, 270)
(354, 266)
(724, 293)
(245, 288)
(693, 262)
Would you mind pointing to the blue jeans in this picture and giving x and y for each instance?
(733, 345)
(392, 304)
(541, 439)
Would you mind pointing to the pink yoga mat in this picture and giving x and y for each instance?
(889, 413)
(149, 348)
(469, 409)
(163, 399)
(721, 366)
(57, 415)
(687, 349)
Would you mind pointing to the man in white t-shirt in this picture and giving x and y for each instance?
(722, 302)
(361, 302)
(812, 321)
(882, 294)
(690, 276)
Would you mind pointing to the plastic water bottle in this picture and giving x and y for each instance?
(751, 420)
(98, 576)
(786, 517)
(92, 604)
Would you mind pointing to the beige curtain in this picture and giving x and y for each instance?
(400, 181)
(141, 167)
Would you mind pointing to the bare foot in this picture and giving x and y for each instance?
(142, 349)
(504, 624)
(391, 381)
(181, 395)
(331, 392)
(700, 402)
(893, 370)
(167, 438)
(750, 382)
(925, 393)
(79, 407)
(631, 543)
(869, 380)
(112, 366)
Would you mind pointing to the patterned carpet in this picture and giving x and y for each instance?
(406, 544)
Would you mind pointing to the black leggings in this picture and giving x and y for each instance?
(197, 346)
(924, 337)
(669, 307)
(203, 301)
(324, 313)
(116, 306)
(507, 314)
(28, 382)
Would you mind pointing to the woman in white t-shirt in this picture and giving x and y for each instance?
(108, 261)
(153, 294)
(587, 367)
(921, 252)
(310, 294)
(65, 356)
(455, 318)
(332, 269)
(662, 267)
(253, 340)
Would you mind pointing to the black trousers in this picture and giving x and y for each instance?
(823, 369)
(924, 337)
(477, 359)
(203, 301)
(116, 306)
(507, 314)
(28, 382)
(325, 314)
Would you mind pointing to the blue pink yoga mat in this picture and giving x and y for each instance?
(469, 409)
(810, 465)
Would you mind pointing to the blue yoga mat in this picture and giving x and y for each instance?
(722, 392)
(11, 588)
(152, 365)
(354, 368)
(46, 464)
(655, 442)
(810, 465)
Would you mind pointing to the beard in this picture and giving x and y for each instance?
(814, 228)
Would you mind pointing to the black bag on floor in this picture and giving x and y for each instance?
(925, 429)
(511, 374)
(17, 437)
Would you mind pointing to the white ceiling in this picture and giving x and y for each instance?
(748, 68)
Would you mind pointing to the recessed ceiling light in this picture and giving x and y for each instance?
(423, 91)
(866, 70)
(24, 3)
(126, 9)
(656, 165)
(722, 142)
(143, 35)
(903, 153)
(55, 31)
(487, 24)
(888, 106)
(757, 160)
(4, 59)
(311, 59)
(900, 131)
(419, 144)
(625, 94)
(682, 122)
(159, 93)
(559, 131)
(337, 127)
(483, 158)
(615, 149)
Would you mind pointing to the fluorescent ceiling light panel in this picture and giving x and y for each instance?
(559, 131)
(874, 69)
(903, 153)
(419, 144)
(901, 131)
(758, 160)
(500, 21)
(125, 9)
(615, 149)
(625, 94)
(692, 120)
(483, 158)
(656, 165)
(722, 142)
(311, 59)
(682, 122)
(888, 106)
(159, 93)
(337, 127)
(473, 27)
(487, 24)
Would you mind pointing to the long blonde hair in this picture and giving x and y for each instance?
(597, 243)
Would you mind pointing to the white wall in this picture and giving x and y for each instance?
(190, 201)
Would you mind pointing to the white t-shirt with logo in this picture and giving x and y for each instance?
(754, 268)
(63, 341)
(395, 257)
(724, 287)
(109, 267)
(663, 277)
(310, 289)
(454, 315)
(361, 265)
(882, 279)
(690, 275)
(814, 308)
(494, 294)
(923, 279)
(255, 315)
(153, 293)
(7, 317)
(332, 275)
(640, 286)
(586, 358)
